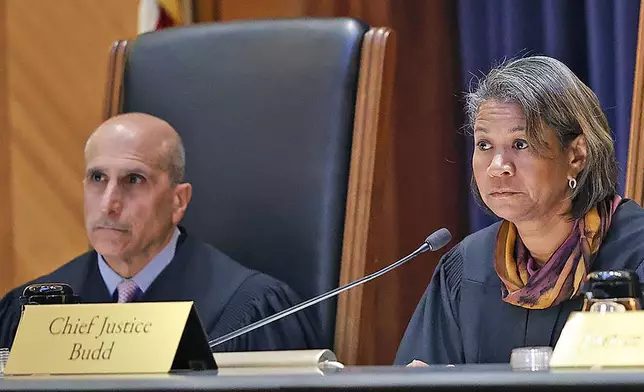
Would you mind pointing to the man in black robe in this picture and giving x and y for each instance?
(135, 198)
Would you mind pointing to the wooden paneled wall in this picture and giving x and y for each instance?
(431, 187)
(52, 85)
(6, 230)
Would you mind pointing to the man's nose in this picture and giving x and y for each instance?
(111, 202)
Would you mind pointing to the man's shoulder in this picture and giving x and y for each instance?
(259, 284)
(219, 265)
(255, 281)
(213, 259)
(69, 270)
(235, 290)
(63, 274)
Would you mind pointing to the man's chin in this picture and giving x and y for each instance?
(109, 248)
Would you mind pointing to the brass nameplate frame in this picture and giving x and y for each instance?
(591, 339)
(108, 338)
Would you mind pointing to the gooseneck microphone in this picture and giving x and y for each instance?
(435, 241)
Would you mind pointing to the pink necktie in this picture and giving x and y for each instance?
(127, 290)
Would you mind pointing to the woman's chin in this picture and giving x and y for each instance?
(509, 211)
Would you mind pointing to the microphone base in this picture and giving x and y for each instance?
(611, 304)
(317, 359)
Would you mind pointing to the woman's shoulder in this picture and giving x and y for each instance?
(627, 223)
(473, 256)
(482, 239)
(628, 210)
(623, 247)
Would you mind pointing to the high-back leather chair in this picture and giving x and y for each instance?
(284, 123)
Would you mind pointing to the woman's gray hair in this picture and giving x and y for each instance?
(551, 95)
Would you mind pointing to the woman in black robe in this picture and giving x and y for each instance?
(544, 163)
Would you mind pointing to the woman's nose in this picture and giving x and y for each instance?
(500, 166)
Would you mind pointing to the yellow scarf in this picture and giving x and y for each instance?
(562, 276)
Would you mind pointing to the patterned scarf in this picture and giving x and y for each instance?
(527, 285)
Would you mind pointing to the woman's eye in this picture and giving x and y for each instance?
(483, 145)
(520, 144)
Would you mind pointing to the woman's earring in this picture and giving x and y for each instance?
(572, 183)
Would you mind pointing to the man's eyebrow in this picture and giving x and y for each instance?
(94, 169)
(135, 171)
(122, 172)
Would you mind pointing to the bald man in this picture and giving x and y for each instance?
(135, 198)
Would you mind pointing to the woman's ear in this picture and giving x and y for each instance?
(577, 155)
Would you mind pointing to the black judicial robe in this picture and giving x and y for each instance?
(226, 294)
(461, 318)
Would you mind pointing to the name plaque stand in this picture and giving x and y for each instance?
(155, 337)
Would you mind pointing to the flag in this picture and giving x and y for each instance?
(159, 14)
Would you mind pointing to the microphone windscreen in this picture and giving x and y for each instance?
(438, 239)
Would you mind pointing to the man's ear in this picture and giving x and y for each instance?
(577, 156)
(182, 195)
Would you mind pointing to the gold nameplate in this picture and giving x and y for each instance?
(109, 338)
(592, 339)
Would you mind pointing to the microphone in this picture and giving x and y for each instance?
(433, 242)
(612, 291)
(48, 293)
